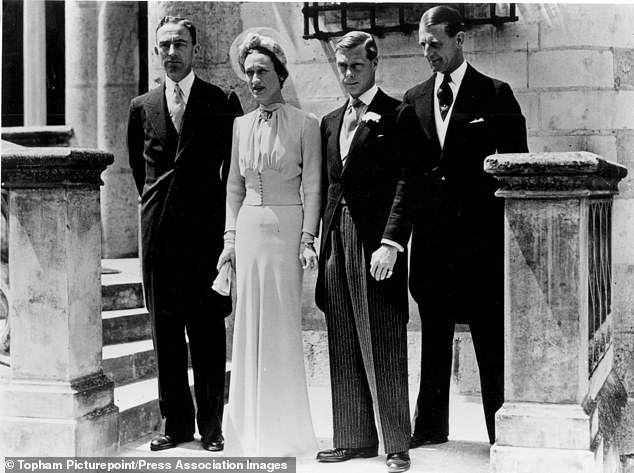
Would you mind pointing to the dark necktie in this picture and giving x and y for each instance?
(445, 96)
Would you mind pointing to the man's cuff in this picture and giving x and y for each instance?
(385, 241)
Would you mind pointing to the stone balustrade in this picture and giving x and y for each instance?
(57, 398)
(563, 401)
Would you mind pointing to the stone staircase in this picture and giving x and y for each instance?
(128, 352)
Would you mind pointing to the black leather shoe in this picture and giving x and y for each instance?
(397, 462)
(343, 454)
(419, 441)
(217, 444)
(163, 442)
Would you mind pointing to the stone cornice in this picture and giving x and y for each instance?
(554, 175)
(45, 135)
(53, 167)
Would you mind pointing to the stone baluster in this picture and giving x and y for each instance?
(57, 400)
(563, 400)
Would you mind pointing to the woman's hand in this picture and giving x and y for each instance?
(308, 256)
(228, 254)
(229, 251)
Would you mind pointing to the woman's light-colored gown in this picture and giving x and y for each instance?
(273, 194)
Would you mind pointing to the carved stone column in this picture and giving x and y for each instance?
(563, 401)
(57, 400)
(34, 63)
(81, 70)
(118, 77)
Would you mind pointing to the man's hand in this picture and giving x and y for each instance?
(382, 262)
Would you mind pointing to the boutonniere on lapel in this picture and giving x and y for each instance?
(370, 117)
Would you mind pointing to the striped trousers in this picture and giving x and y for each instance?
(367, 341)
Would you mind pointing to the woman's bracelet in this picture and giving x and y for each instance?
(309, 244)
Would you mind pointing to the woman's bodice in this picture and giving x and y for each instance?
(276, 160)
(271, 187)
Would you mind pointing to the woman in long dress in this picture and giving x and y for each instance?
(273, 206)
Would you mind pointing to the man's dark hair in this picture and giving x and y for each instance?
(444, 15)
(359, 38)
(179, 20)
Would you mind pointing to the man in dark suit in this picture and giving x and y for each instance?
(179, 142)
(362, 281)
(457, 261)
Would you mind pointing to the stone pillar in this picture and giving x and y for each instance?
(81, 70)
(5, 333)
(563, 401)
(58, 401)
(624, 281)
(34, 63)
(117, 78)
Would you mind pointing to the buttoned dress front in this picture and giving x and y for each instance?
(273, 194)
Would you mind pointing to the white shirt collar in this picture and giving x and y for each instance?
(185, 84)
(368, 96)
(456, 76)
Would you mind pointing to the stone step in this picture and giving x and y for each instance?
(121, 296)
(121, 286)
(126, 325)
(127, 362)
(139, 414)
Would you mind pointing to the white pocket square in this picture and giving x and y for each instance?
(477, 120)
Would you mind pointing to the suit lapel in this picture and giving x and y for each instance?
(376, 106)
(426, 104)
(156, 112)
(334, 152)
(358, 139)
